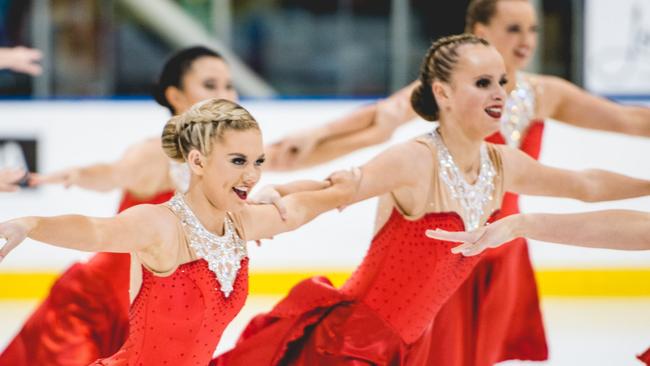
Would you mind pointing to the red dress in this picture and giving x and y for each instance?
(383, 315)
(85, 315)
(178, 319)
(495, 315)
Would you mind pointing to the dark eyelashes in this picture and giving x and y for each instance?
(242, 161)
(483, 83)
(517, 29)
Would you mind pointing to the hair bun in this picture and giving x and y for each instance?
(170, 139)
(424, 103)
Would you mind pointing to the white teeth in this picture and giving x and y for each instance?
(243, 189)
(494, 109)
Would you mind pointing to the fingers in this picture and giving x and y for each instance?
(353, 174)
(454, 236)
(55, 178)
(274, 159)
(468, 249)
(463, 248)
(26, 61)
(470, 253)
(282, 209)
(471, 241)
(325, 184)
(8, 246)
(356, 173)
(287, 151)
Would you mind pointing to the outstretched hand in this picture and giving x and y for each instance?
(287, 153)
(475, 242)
(348, 180)
(22, 59)
(268, 195)
(12, 233)
(67, 178)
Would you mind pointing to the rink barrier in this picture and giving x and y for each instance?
(611, 282)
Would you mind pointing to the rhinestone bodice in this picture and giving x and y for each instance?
(224, 254)
(519, 112)
(471, 197)
(178, 318)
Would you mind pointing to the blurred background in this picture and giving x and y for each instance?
(334, 48)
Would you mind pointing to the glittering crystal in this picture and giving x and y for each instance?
(518, 112)
(472, 197)
(223, 253)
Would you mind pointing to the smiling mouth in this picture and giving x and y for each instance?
(494, 112)
(241, 192)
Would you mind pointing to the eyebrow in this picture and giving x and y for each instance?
(240, 155)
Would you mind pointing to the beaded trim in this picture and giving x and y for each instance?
(223, 253)
(472, 197)
(519, 112)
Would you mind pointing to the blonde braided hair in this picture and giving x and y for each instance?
(197, 127)
(438, 64)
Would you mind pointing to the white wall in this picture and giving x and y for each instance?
(77, 133)
(617, 46)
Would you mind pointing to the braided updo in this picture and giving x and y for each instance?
(197, 127)
(438, 64)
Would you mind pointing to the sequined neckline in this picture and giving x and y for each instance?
(471, 197)
(224, 254)
(519, 112)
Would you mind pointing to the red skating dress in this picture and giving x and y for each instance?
(178, 317)
(85, 315)
(385, 312)
(495, 315)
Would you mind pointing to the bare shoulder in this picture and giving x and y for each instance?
(159, 217)
(420, 146)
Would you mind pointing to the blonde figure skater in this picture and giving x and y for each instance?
(191, 276)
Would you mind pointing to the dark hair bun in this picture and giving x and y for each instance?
(424, 102)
